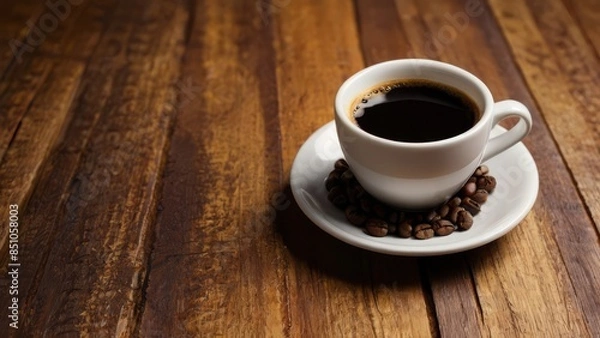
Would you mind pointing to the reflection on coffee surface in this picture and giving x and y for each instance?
(415, 110)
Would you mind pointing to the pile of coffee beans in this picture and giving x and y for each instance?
(379, 219)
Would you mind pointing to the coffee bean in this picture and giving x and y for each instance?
(481, 196)
(405, 229)
(355, 216)
(484, 169)
(423, 231)
(347, 176)
(486, 182)
(333, 179)
(341, 164)
(354, 192)
(380, 210)
(392, 228)
(377, 227)
(338, 197)
(471, 205)
(443, 210)
(443, 227)
(481, 170)
(468, 189)
(464, 220)
(453, 214)
(393, 217)
(454, 202)
(378, 219)
(366, 204)
(418, 218)
(432, 216)
(335, 174)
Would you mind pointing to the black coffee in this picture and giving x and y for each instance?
(415, 111)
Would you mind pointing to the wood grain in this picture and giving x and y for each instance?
(587, 14)
(493, 71)
(148, 145)
(217, 259)
(574, 222)
(15, 16)
(19, 88)
(43, 218)
(97, 261)
(35, 134)
(386, 292)
(68, 40)
(554, 51)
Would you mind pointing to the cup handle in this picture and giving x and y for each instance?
(500, 143)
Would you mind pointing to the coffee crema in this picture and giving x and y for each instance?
(415, 110)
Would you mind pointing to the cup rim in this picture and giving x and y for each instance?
(344, 116)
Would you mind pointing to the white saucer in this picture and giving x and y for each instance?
(515, 194)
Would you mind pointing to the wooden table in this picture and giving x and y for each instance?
(146, 149)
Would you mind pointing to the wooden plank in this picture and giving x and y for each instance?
(379, 26)
(15, 18)
(40, 219)
(538, 300)
(44, 214)
(307, 83)
(587, 16)
(446, 29)
(79, 27)
(90, 276)
(6, 8)
(457, 305)
(549, 49)
(544, 58)
(383, 37)
(448, 279)
(217, 266)
(36, 135)
(52, 28)
(306, 108)
(15, 15)
(513, 308)
(18, 90)
(23, 17)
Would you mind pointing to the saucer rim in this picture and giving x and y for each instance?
(318, 215)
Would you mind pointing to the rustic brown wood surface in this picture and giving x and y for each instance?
(148, 147)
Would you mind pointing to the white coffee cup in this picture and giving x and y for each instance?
(417, 176)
